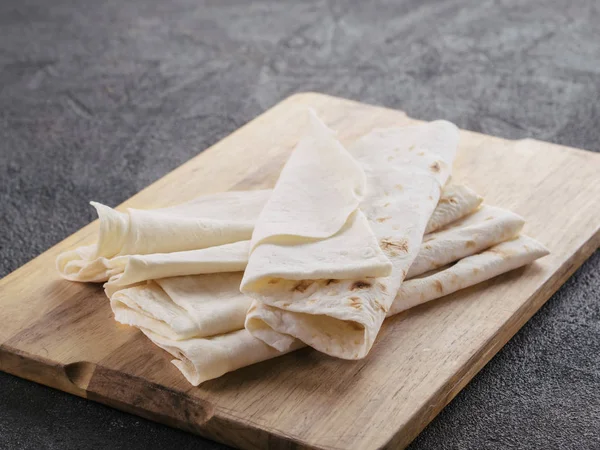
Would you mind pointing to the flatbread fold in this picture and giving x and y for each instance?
(405, 170)
(203, 298)
(202, 359)
(206, 221)
(346, 238)
(131, 269)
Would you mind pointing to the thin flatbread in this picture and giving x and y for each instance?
(203, 359)
(206, 221)
(456, 201)
(311, 226)
(485, 227)
(143, 309)
(405, 169)
(183, 307)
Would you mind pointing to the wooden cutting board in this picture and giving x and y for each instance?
(62, 334)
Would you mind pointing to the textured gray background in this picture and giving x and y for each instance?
(100, 98)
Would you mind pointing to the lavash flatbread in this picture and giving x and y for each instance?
(125, 270)
(202, 359)
(405, 169)
(206, 221)
(184, 307)
(134, 269)
(311, 226)
(214, 296)
(233, 257)
(485, 227)
(456, 201)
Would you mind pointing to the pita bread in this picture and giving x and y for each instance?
(202, 359)
(405, 170)
(206, 221)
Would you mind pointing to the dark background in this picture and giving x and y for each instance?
(100, 98)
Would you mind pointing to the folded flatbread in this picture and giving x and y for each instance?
(190, 312)
(470, 234)
(311, 227)
(335, 312)
(202, 359)
(456, 201)
(183, 307)
(204, 222)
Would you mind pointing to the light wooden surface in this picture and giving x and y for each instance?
(62, 334)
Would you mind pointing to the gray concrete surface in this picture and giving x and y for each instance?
(100, 98)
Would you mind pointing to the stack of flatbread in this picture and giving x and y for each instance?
(346, 238)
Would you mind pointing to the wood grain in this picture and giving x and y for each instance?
(62, 334)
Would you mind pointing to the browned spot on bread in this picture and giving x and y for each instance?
(390, 158)
(356, 342)
(331, 281)
(399, 187)
(393, 246)
(435, 167)
(438, 286)
(411, 148)
(312, 301)
(273, 281)
(333, 292)
(470, 244)
(302, 286)
(285, 305)
(355, 325)
(489, 218)
(386, 205)
(475, 270)
(430, 197)
(382, 287)
(355, 303)
(382, 219)
(421, 153)
(427, 247)
(379, 306)
(360, 285)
